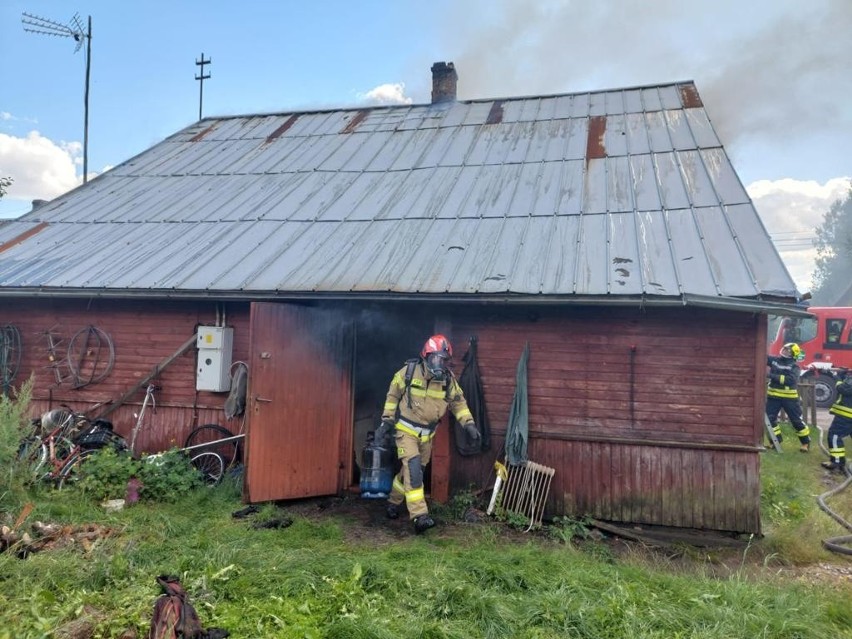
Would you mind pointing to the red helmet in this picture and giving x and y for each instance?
(437, 344)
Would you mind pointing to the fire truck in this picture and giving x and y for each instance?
(826, 339)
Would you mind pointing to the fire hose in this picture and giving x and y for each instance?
(835, 544)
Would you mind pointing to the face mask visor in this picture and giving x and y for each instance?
(436, 363)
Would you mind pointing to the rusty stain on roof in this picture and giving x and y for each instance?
(689, 96)
(201, 134)
(22, 237)
(495, 115)
(354, 122)
(595, 145)
(281, 129)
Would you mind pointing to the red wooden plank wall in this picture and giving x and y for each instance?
(678, 446)
(144, 334)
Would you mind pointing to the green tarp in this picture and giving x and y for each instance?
(518, 428)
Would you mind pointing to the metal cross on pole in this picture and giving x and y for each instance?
(83, 37)
(201, 78)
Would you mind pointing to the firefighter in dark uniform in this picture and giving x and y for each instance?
(419, 396)
(841, 425)
(782, 392)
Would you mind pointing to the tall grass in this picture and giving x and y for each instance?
(315, 580)
(14, 422)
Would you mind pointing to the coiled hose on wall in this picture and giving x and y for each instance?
(835, 544)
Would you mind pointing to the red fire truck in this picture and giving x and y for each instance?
(826, 339)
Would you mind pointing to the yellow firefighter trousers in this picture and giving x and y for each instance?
(414, 453)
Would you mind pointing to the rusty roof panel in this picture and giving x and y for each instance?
(609, 193)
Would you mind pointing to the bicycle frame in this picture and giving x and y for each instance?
(49, 445)
(149, 398)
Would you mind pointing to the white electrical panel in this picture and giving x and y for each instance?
(215, 349)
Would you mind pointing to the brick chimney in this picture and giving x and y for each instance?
(444, 81)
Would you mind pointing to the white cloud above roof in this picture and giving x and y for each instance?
(43, 169)
(791, 211)
(391, 93)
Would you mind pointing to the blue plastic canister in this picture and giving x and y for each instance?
(376, 470)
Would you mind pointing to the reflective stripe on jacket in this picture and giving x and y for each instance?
(429, 399)
(783, 377)
(843, 406)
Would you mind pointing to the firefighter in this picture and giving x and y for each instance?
(841, 425)
(417, 399)
(782, 392)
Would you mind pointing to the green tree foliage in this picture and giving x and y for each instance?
(834, 253)
(5, 183)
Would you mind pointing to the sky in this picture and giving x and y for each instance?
(773, 75)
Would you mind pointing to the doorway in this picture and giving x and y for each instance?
(384, 340)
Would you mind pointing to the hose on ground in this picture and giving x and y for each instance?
(835, 544)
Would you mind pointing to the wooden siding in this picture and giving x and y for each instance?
(144, 334)
(676, 446)
(649, 416)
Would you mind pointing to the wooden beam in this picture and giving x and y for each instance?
(154, 372)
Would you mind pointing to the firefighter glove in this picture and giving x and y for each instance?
(384, 429)
(472, 431)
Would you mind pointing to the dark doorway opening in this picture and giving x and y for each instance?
(384, 340)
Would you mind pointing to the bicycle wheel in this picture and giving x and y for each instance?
(230, 452)
(32, 454)
(211, 466)
(70, 472)
(91, 356)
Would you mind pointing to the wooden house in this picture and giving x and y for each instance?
(606, 229)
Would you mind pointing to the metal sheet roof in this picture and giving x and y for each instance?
(611, 194)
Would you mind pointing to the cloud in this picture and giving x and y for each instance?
(791, 211)
(386, 94)
(40, 168)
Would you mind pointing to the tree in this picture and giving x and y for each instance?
(834, 253)
(5, 183)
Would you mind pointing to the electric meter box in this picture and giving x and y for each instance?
(215, 349)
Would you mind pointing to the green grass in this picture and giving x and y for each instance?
(794, 525)
(316, 579)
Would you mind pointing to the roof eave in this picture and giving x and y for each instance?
(779, 306)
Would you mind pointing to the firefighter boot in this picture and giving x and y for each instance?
(833, 466)
(392, 511)
(423, 523)
(805, 447)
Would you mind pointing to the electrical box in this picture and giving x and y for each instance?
(215, 349)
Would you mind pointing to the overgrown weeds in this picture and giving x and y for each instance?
(14, 418)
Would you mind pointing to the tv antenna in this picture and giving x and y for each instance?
(82, 35)
(201, 78)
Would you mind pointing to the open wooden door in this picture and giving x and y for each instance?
(299, 440)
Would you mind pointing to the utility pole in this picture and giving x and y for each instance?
(201, 78)
(83, 37)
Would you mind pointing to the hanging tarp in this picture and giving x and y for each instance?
(517, 430)
(471, 385)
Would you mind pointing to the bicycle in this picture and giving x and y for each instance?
(210, 463)
(51, 442)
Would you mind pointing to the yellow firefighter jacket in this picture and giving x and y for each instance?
(429, 399)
